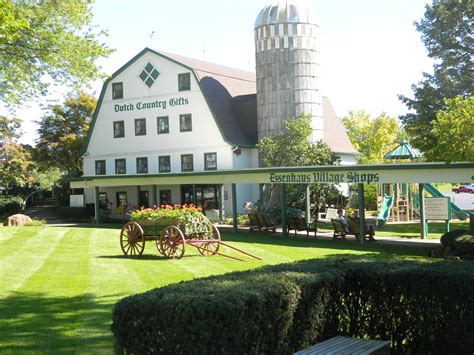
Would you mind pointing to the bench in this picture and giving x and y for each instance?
(353, 228)
(339, 230)
(255, 223)
(346, 345)
(261, 222)
(299, 224)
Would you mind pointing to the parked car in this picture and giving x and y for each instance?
(464, 188)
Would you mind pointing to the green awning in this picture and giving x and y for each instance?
(403, 151)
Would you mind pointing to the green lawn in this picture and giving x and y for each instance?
(58, 285)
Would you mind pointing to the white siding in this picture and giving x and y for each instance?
(205, 136)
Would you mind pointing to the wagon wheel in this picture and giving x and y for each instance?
(172, 242)
(132, 239)
(211, 247)
(158, 246)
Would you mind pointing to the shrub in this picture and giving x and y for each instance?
(10, 204)
(447, 239)
(421, 307)
(464, 243)
(242, 220)
(36, 223)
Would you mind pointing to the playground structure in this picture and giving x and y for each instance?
(398, 202)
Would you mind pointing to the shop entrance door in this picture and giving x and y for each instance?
(144, 200)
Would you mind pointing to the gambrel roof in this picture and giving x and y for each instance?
(231, 96)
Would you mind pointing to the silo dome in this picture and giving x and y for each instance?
(287, 67)
(283, 12)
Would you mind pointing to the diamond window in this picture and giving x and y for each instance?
(149, 75)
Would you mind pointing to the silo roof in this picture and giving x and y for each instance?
(285, 11)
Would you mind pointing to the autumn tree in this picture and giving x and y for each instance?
(15, 165)
(293, 147)
(46, 42)
(372, 137)
(454, 130)
(446, 31)
(62, 133)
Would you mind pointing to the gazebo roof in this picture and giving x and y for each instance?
(403, 151)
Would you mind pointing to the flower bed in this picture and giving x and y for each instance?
(190, 219)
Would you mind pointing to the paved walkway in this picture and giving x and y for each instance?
(409, 242)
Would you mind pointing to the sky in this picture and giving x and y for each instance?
(370, 50)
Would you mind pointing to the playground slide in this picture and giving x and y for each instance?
(458, 211)
(386, 207)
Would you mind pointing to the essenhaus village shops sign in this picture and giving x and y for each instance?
(360, 174)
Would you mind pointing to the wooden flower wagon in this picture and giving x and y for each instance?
(170, 239)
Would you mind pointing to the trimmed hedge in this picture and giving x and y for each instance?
(422, 307)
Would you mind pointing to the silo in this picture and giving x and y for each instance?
(287, 69)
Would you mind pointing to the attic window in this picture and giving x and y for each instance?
(184, 82)
(149, 75)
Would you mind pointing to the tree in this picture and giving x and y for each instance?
(15, 165)
(293, 148)
(9, 128)
(447, 34)
(372, 138)
(46, 42)
(62, 133)
(454, 130)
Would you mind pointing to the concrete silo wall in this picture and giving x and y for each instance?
(288, 81)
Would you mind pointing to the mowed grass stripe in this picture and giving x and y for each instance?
(63, 279)
(23, 260)
(14, 237)
(128, 275)
(66, 271)
(109, 274)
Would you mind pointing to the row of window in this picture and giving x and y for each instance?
(164, 164)
(149, 76)
(163, 124)
(121, 199)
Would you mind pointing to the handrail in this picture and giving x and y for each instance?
(30, 195)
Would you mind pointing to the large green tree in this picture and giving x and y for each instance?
(62, 133)
(372, 137)
(293, 147)
(454, 130)
(446, 31)
(44, 42)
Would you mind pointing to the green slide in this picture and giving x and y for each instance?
(458, 211)
(386, 207)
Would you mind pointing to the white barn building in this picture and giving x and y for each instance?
(163, 114)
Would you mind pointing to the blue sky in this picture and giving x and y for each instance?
(370, 51)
